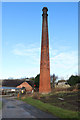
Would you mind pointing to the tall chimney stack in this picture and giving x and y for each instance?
(44, 85)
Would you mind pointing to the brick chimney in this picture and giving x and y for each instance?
(44, 85)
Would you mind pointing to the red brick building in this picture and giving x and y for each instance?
(26, 85)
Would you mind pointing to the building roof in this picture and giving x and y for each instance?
(26, 85)
(62, 81)
(15, 83)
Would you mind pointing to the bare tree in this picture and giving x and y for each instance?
(54, 80)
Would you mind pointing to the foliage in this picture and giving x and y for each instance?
(32, 79)
(36, 81)
(73, 80)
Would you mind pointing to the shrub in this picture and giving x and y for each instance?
(36, 81)
(73, 80)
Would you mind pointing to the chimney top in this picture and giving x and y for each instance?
(44, 8)
(45, 11)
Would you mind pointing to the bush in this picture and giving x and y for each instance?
(36, 96)
(74, 87)
(36, 81)
(73, 80)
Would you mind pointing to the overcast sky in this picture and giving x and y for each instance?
(21, 39)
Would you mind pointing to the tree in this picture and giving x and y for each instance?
(32, 79)
(73, 80)
(54, 79)
(36, 81)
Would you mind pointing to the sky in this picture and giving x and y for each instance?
(21, 38)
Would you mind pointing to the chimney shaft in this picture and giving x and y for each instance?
(44, 86)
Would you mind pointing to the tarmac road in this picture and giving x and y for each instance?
(0, 107)
(13, 108)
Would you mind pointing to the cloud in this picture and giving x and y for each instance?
(22, 50)
(62, 62)
(30, 52)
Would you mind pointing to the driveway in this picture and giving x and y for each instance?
(0, 107)
(13, 108)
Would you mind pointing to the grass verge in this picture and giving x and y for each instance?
(56, 111)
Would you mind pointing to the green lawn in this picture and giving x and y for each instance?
(56, 111)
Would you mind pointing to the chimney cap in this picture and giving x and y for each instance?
(45, 8)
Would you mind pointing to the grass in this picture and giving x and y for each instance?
(56, 111)
(70, 99)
